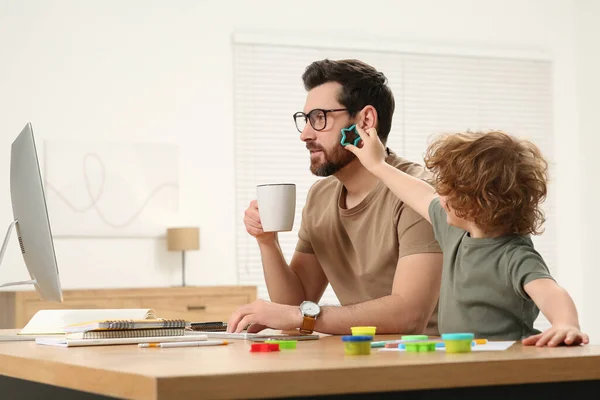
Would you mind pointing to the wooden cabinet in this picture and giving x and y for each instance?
(196, 303)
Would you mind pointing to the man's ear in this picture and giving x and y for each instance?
(367, 118)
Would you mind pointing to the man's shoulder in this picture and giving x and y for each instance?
(410, 167)
(323, 189)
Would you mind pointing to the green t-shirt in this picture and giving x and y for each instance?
(482, 282)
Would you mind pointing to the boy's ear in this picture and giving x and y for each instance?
(367, 118)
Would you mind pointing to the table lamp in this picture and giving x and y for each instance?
(182, 239)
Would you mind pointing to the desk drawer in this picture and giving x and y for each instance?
(196, 308)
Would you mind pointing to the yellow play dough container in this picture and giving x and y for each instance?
(363, 330)
(355, 345)
(458, 342)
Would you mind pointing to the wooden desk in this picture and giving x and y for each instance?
(315, 367)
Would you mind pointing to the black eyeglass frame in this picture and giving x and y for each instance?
(307, 117)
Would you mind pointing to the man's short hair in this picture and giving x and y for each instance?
(362, 85)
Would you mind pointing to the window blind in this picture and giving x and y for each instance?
(434, 94)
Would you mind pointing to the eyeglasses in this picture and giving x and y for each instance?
(317, 118)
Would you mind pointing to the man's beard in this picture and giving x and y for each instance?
(335, 160)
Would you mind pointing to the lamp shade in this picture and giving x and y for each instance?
(181, 239)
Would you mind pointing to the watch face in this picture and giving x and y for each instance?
(309, 308)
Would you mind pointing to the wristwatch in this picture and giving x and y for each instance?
(310, 310)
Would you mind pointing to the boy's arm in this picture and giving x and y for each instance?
(414, 192)
(556, 304)
(532, 281)
(553, 301)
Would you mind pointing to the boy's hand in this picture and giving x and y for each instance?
(372, 152)
(557, 335)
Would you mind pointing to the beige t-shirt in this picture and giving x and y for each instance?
(359, 248)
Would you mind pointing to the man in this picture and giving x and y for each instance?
(380, 256)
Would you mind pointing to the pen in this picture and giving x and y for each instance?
(185, 344)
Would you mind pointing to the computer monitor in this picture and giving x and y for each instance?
(31, 219)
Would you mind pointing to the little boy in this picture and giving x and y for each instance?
(489, 188)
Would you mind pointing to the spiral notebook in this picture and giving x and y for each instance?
(122, 324)
(126, 333)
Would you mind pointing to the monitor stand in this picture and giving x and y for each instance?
(4, 245)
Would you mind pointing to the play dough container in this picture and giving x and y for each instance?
(419, 347)
(283, 344)
(357, 345)
(363, 330)
(458, 342)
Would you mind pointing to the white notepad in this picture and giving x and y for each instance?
(63, 342)
(489, 346)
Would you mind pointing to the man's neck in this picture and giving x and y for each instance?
(358, 182)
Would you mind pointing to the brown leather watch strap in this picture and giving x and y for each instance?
(308, 324)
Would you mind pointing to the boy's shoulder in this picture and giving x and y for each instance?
(521, 243)
(521, 250)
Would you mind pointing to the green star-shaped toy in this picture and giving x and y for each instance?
(344, 138)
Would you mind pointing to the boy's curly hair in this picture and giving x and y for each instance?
(493, 179)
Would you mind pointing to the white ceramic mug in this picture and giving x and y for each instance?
(276, 206)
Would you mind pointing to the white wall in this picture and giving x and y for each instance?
(150, 70)
(588, 100)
